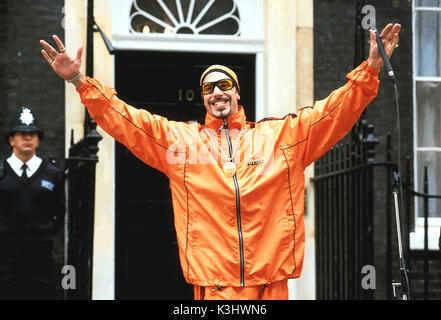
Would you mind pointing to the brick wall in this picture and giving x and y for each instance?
(25, 77)
(416, 276)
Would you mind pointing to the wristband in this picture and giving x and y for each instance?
(75, 78)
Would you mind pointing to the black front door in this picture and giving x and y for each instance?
(164, 83)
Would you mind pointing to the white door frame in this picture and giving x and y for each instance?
(250, 41)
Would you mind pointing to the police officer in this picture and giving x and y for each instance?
(31, 212)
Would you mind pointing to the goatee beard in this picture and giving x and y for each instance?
(223, 114)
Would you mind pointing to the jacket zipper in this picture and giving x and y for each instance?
(239, 221)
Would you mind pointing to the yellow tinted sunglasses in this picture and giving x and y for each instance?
(223, 84)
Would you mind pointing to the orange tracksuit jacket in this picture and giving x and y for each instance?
(245, 230)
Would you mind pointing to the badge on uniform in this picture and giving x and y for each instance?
(26, 116)
(47, 185)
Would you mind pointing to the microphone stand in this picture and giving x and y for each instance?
(404, 280)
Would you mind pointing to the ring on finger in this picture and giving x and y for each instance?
(62, 50)
(52, 60)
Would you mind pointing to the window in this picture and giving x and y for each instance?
(427, 110)
(198, 17)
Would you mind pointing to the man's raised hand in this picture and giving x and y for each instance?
(61, 62)
(390, 37)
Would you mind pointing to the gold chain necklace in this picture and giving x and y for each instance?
(229, 166)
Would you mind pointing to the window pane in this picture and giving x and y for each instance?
(433, 162)
(428, 3)
(219, 8)
(428, 43)
(185, 16)
(429, 114)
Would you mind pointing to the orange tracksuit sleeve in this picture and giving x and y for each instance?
(330, 119)
(143, 133)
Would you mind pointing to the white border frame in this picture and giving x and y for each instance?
(417, 237)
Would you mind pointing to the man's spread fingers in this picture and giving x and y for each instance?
(49, 49)
(59, 43)
(46, 56)
(385, 33)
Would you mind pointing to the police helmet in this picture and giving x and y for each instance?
(23, 120)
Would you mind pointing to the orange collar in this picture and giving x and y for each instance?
(235, 121)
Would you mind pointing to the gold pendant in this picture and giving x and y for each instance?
(229, 169)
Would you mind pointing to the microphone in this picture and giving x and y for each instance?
(383, 54)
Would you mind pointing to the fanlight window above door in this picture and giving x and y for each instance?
(197, 17)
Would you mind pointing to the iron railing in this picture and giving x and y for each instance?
(80, 166)
(343, 185)
(344, 182)
(425, 255)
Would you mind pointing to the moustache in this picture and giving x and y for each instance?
(220, 99)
